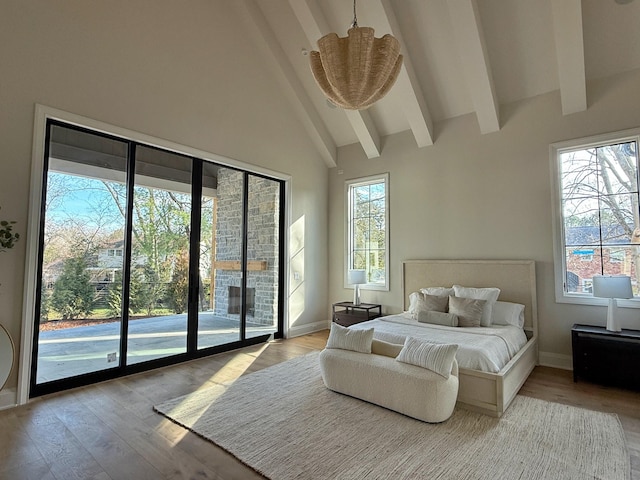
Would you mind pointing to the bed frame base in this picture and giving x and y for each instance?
(492, 394)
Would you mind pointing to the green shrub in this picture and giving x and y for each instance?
(73, 295)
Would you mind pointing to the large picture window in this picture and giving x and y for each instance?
(368, 237)
(597, 216)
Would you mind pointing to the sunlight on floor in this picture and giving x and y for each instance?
(224, 377)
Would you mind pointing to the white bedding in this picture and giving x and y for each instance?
(487, 349)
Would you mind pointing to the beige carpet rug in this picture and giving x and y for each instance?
(285, 424)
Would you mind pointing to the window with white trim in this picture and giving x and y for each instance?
(367, 234)
(597, 213)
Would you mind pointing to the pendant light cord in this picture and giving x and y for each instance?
(355, 17)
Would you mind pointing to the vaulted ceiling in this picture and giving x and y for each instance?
(460, 57)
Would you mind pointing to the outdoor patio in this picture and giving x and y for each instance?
(74, 351)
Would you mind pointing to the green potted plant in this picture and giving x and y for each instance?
(8, 237)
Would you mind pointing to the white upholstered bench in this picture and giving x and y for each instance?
(378, 378)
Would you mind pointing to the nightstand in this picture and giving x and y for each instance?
(609, 358)
(346, 313)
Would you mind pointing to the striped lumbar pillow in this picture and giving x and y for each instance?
(346, 339)
(437, 357)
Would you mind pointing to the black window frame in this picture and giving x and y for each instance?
(192, 352)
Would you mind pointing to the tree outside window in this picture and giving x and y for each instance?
(599, 205)
(367, 238)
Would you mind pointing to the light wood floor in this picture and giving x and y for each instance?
(109, 431)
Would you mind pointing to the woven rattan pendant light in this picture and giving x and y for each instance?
(356, 71)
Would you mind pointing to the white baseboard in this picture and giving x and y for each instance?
(297, 331)
(8, 398)
(556, 360)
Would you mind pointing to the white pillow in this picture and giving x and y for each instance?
(507, 313)
(414, 299)
(345, 338)
(490, 295)
(438, 291)
(437, 357)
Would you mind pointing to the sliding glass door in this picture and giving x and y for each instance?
(219, 319)
(149, 257)
(159, 267)
(82, 242)
(263, 256)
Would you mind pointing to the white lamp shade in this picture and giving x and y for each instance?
(356, 277)
(614, 286)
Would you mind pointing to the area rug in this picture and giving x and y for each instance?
(284, 423)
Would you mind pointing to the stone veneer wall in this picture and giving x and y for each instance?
(263, 236)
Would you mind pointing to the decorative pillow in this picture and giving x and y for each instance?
(380, 347)
(344, 338)
(507, 313)
(438, 291)
(437, 357)
(438, 318)
(414, 298)
(468, 310)
(420, 302)
(488, 294)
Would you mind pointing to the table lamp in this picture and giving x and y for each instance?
(356, 278)
(612, 287)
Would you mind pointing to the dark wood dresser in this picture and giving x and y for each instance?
(608, 358)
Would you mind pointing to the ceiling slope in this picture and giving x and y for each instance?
(460, 57)
(293, 87)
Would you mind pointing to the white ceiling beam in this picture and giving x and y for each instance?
(567, 28)
(413, 103)
(315, 26)
(286, 75)
(467, 30)
(365, 131)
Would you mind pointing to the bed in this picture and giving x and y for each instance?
(487, 349)
(493, 382)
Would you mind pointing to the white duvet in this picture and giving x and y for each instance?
(487, 349)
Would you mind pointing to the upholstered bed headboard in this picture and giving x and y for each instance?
(516, 280)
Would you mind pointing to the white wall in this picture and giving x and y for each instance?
(473, 196)
(186, 72)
